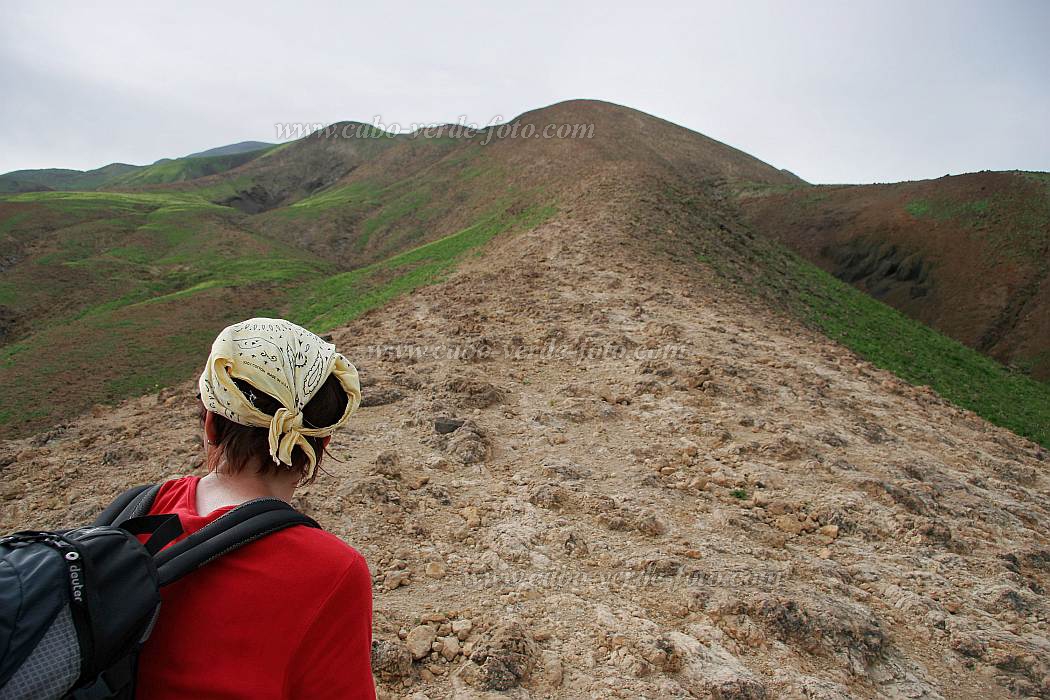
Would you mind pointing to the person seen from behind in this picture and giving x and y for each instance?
(288, 617)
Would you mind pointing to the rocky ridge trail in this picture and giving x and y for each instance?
(733, 507)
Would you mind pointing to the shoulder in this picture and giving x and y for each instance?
(323, 543)
(327, 576)
(322, 550)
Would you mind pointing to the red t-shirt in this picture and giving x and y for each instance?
(287, 617)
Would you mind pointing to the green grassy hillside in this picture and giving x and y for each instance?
(874, 330)
(182, 169)
(114, 294)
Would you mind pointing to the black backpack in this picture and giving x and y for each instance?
(77, 605)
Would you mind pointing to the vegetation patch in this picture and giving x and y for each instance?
(945, 209)
(341, 298)
(84, 202)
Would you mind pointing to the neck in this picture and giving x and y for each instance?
(218, 488)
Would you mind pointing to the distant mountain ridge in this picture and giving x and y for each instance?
(62, 179)
(210, 162)
(232, 149)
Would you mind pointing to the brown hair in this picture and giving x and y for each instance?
(239, 444)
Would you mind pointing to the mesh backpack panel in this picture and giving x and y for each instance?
(52, 667)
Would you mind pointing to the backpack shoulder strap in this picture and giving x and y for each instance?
(132, 503)
(243, 525)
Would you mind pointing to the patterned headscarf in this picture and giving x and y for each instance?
(285, 361)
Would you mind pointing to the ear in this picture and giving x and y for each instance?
(211, 431)
(327, 439)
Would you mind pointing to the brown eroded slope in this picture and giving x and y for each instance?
(419, 188)
(968, 255)
(732, 507)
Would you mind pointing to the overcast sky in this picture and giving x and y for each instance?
(834, 91)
